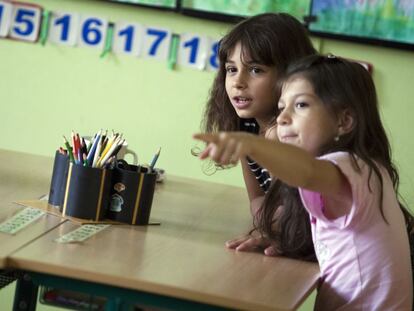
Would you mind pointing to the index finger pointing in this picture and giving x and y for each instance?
(206, 137)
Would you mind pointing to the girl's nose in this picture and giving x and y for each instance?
(283, 117)
(240, 81)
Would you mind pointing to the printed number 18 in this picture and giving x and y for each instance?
(193, 44)
(213, 60)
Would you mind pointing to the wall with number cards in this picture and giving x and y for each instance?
(22, 21)
(65, 83)
(48, 90)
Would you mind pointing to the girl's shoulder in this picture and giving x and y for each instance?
(352, 166)
(336, 155)
(352, 159)
(343, 158)
(357, 169)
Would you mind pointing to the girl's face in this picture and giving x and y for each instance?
(304, 121)
(250, 87)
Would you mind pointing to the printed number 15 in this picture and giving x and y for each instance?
(23, 17)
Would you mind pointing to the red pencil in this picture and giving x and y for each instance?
(74, 146)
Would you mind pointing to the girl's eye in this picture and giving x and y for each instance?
(256, 70)
(280, 108)
(230, 69)
(301, 105)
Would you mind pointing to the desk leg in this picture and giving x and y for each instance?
(25, 296)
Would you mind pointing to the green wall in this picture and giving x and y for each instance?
(46, 91)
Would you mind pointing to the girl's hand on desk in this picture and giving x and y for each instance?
(251, 243)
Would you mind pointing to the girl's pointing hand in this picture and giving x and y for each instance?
(224, 147)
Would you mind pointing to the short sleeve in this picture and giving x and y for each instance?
(358, 181)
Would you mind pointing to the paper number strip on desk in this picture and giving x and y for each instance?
(20, 220)
(81, 234)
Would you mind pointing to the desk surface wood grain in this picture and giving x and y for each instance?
(184, 257)
(22, 176)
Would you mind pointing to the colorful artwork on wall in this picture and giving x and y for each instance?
(169, 4)
(245, 8)
(387, 20)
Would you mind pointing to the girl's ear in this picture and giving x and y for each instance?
(346, 122)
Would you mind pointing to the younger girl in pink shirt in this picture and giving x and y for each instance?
(333, 158)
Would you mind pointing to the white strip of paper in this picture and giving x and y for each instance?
(81, 234)
(20, 220)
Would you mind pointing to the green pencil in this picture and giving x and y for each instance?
(71, 158)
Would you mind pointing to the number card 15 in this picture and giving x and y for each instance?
(20, 21)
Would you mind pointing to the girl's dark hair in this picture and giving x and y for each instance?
(341, 85)
(270, 39)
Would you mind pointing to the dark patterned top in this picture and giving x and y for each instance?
(261, 174)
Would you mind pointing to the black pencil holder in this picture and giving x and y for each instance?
(87, 192)
(59, 177)
(132, 191)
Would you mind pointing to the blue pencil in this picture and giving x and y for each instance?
(154, 159)
(91, 153)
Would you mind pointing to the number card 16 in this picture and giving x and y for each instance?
(64, 28)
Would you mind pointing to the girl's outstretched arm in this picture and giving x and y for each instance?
(293, 165)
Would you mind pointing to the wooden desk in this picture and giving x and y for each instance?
(22, 176)
(181, 264)
(184, 257)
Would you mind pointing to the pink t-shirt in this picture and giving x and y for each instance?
(364, 262)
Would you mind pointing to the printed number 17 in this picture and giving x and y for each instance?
(160, 35)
